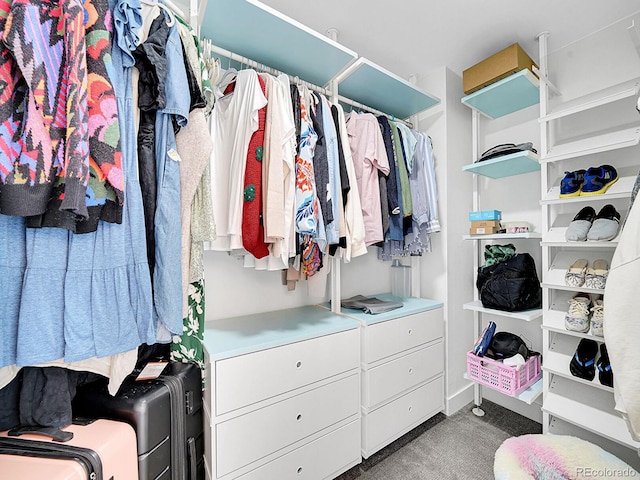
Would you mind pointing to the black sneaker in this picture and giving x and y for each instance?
(579, 227)
(605, 375)
(605, 225)
(571, 184)
(582, 364)
(598, 179)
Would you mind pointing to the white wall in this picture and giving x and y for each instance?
(447, 273)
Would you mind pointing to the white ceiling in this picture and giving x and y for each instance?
(413, 36)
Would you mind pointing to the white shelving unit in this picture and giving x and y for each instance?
(577, 133)
(509, 95)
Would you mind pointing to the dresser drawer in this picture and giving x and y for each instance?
(394, 336)
(394, 377)
(394, 419)
(247, 379)
(249, 437)
(324, 458)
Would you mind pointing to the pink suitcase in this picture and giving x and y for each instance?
(100, 450)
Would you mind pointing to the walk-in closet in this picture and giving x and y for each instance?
(270, 240)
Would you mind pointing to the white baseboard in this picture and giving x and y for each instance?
(458, 400)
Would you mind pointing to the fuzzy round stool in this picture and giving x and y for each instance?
(556, 457)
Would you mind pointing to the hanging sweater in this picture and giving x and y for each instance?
(105, 191)
(54, 141)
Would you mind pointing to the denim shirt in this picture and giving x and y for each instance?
(167, 275)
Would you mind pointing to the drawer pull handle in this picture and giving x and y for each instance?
(299, 417)
(299, 470)
(410, 407)
(410, 371)
(410, 331)
(298, 365)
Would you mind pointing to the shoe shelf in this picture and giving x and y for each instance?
(517, 91)
(555, 236)
(504, 236)
(559, 286)
(558, 364)
(528, 396)
(605, 142)
(554, 276)
(559, 356)
(554, 322)
(594, 100)
(621, 189)
(605, 423)
(526, 315)
(506, 165)
(558, 426)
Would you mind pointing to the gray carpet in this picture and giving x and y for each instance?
(459, 447)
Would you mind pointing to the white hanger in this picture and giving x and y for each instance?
(172, 19)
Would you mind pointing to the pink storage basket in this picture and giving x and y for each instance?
(505, 379)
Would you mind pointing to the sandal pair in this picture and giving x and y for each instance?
(583, 364)
(580, 274)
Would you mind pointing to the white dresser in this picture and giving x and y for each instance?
(282, 396)
(402, 361)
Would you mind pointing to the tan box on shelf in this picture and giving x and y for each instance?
(483, 230)
(485, 223)
(498, 66)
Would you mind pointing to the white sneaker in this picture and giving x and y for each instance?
(577, 317)
(597, 318)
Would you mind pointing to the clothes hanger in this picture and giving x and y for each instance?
(172, 19)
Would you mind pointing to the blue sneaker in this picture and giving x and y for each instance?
(571, 184)
(598, 179)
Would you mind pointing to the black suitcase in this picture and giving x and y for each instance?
(166, 413)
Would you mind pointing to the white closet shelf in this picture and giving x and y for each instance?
(518, 91)
(621, 189)
(257, 31)
(558, 364)
(606, 424)
(506, 165)
(503, 236)
(555, 237)
(628, 137)
(529, 396)
(376, 87)
(526, 315)
(554, 322)
(553, 277)
(560, 286)
(593, 100)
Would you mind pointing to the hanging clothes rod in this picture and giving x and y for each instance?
(362, 106)
(175, 8)
(259, 66)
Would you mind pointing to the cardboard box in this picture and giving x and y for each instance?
(483, 230)
(485, 215)
(485, 223)
(498, 66)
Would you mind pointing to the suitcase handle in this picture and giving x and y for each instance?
(191, 453)
(55, 434)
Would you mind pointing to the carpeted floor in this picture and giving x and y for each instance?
(459, 447)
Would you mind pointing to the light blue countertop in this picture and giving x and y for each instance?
(410, 306)
(251, 333)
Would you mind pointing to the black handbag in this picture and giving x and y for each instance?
(510, 286)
